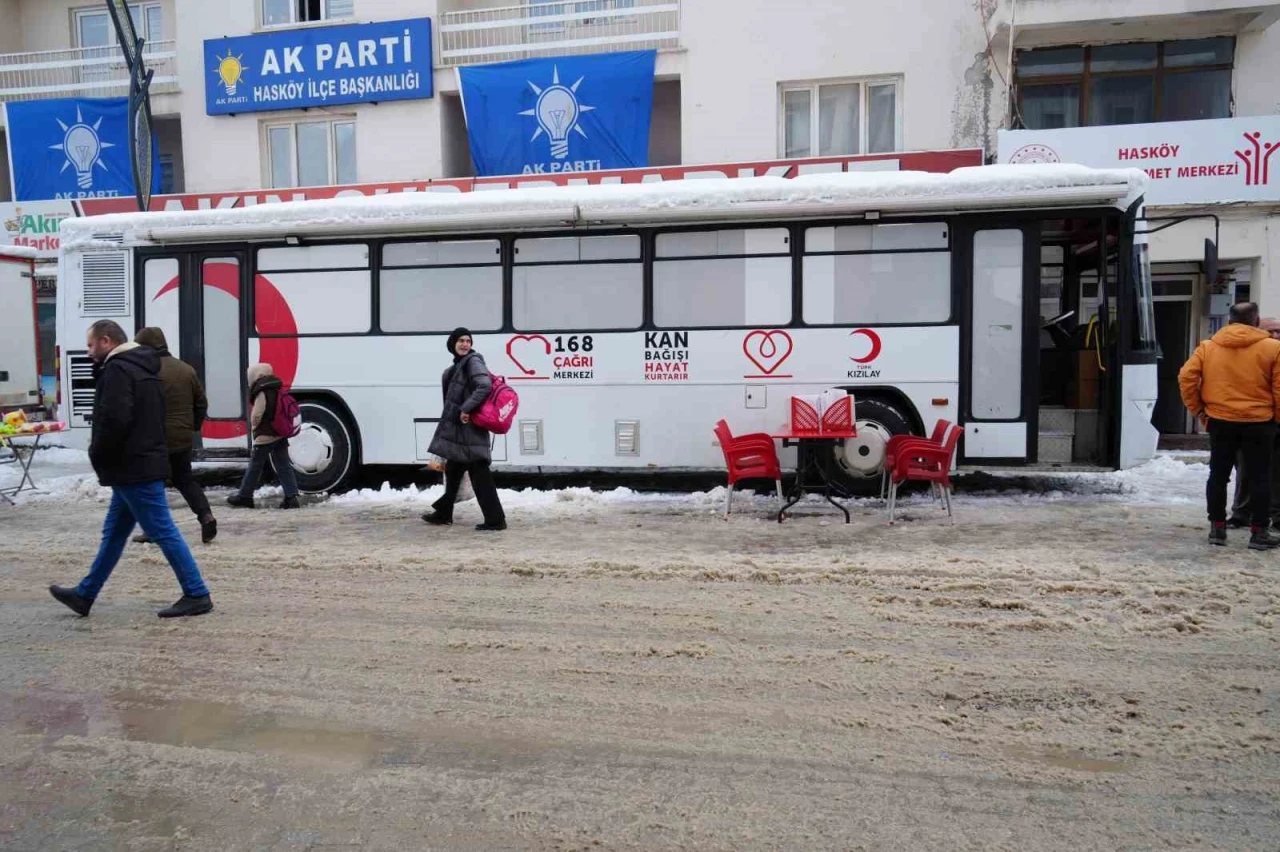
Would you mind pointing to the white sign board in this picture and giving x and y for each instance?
(33, 224)
(1189, 162)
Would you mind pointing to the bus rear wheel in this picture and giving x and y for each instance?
(857, 463)
(324, 452)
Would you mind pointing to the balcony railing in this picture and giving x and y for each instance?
(83, 71)
(556, 28)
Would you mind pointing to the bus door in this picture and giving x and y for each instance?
(999, 341)
(195, 298)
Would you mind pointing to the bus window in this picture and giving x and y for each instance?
(162, 313)
(997, 325)
(868, 274)
(722, 278)
(1144, 338)
(436, 286)
(221, 314)
(572, 283)
(328, 288)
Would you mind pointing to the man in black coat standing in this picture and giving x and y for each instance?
(127, 450)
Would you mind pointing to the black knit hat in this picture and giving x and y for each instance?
(453, 338)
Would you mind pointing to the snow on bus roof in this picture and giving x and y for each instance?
(979, 187)
(22, 253)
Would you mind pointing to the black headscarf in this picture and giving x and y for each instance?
(453, 341)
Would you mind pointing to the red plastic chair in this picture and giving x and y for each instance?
(751, 456)
(925, 463)
(897, 443)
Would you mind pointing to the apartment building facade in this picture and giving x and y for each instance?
(735, 81)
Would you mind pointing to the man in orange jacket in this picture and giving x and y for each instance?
(1232, 384)
(1240, 513)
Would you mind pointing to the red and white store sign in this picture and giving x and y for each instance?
(1189, 162)
(923, 161)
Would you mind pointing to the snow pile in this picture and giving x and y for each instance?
(59, 456)
(848, 191)
(20, 252)
(74, 488)
(1162, 481)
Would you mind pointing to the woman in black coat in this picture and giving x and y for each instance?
(463, 445)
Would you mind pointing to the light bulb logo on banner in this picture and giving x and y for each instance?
(230, 71)
(557, 111)
(82, 147)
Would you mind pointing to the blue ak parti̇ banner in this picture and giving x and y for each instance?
(318, 66)
(565, 114)
(72, 148)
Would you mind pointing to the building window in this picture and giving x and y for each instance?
(278, 13)
(841, 117)
(1124, 83)
(311, 153)
(94, 27)
(166, 174)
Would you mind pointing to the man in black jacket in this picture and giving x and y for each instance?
(127, 450)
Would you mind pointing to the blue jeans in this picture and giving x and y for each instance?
(147, 506)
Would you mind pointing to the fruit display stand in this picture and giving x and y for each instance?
(22, 439)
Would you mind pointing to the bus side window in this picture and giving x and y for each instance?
(577, 283)
(868, 274)
(439, 285)
(732, 278)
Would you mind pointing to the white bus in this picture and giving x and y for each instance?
(1014, 300)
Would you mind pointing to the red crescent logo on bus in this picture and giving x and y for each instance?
(274, 316)
(875, 346)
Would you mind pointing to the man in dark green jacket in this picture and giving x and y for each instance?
(185, 407)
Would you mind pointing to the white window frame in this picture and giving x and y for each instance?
(292, 126)
(77, 15)
(293, 15)
(864, 84)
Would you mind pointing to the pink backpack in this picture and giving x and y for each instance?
(498, 412)
(287, 420)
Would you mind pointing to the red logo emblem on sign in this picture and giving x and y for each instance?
(541, 348)
(767, 350)
(874, 339)
(1257, 159)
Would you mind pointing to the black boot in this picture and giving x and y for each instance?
(291, 503)
(142, 538)
(1218, 533)
(187, 605)
(1237, 523)
(488, 527)
(208, 529)
(437, 519)
(1263, 539)
(238, 502)
(73, 601)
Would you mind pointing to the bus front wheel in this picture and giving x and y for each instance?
(324, 452)
(856, 464)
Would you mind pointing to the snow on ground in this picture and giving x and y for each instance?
(65, 474)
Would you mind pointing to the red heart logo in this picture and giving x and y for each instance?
(519, 338)
(762, 350)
